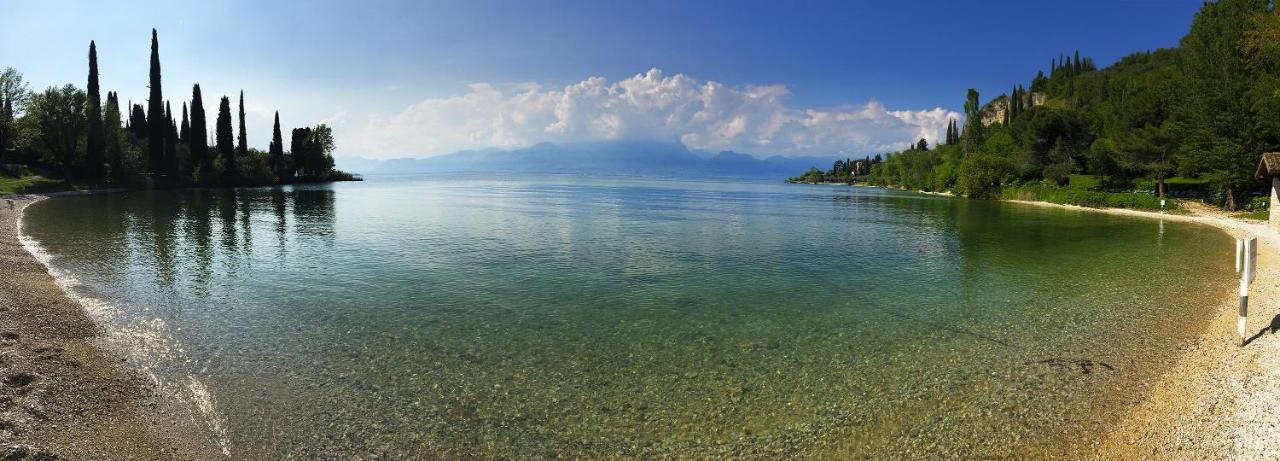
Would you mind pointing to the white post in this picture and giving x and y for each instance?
(1246, 263)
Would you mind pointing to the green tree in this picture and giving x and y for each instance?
(276, 150)
(222, 134)
(156, 126)
(972, 135)
(184, 130)
(114, 138)
(54, 125)
(242, 145)
(93, 115)
(13, 101)
(201, 161)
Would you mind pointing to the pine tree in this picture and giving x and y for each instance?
(242, 146)
(277, 150)
(93, 112)
(222, 134)
(155, 113)
(199, 135)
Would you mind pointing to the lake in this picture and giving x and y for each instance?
(545, 316)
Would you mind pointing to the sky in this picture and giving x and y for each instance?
(420, 78)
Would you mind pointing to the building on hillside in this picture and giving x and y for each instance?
(1269, 169)
(993, 112)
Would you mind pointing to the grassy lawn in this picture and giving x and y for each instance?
(30, 184)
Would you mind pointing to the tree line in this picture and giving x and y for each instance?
(72, 134)
(1203, 111)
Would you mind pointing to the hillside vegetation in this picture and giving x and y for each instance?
(1203, 112)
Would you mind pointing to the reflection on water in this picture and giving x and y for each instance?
(560, 316)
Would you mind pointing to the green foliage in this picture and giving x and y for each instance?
(30, 184)
(222, 134)
(1204, 111)
(78, 138)
(1052, 193)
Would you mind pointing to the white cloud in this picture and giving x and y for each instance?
(652, 106)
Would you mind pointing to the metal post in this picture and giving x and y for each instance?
(1246, 264)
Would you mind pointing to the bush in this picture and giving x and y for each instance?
(1046, 192)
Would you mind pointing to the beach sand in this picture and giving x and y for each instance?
(1220, 401)
(63, 393)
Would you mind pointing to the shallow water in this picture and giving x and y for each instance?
(569, 316)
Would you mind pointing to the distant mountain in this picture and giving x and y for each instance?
(646, 158)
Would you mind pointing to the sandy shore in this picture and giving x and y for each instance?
(63, 393)
(1221, 401)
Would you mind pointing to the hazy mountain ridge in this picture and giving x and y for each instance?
(650, 158)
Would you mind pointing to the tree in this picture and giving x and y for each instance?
(222, 134)
(138, 124)
(170, 141)
(113, 137)
(201, 161)
(276, 150)
(155, 113)
(242, 146)
(922, 145)
(184, 130)
(13, 101)
(972, 135)
(93, 114)
(54, 124)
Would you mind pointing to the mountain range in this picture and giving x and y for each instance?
(644, 158)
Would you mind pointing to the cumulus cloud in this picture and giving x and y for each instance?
(650, 106)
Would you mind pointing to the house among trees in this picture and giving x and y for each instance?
(1269, 168)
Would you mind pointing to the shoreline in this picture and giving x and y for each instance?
(1219, 400)
(65, 393)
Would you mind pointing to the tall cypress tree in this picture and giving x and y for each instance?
(242, 145)
(222, 134)
(170, 140)
(184, 130)
(277, 150)
(1078, 67)
(155, 113)
(113, 137)
(199, 135)
(138, 122)
(93, 112)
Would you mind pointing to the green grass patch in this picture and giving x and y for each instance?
(30, 184)
(1260, 215)
(1083, 181)
(1083, 197)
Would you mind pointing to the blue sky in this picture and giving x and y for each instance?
(424, 78)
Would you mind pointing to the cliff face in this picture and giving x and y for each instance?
(994, 111)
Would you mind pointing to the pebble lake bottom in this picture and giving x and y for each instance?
(545, 316)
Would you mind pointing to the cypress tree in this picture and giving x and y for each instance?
(199, 135)
(93, 112)
(222, 135)
(1078, 67)
(184, 130)
(155, 113)
(242, 146)
(113, 137)
(277, 150)
(138, 122)
(170, 140)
